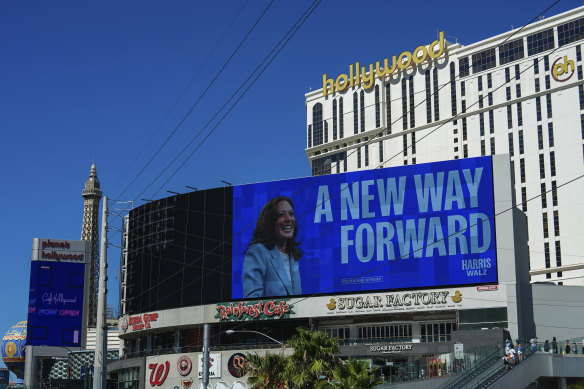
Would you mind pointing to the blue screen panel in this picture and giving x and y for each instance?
(55, 310)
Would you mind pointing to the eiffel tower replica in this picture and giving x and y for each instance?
(90, 232)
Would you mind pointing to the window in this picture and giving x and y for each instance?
(549, 105)
(551, 134)
(518, 90)
(511, 51)
(388, 107)
(480, 101)
(335, 119)
(464, 130)
(362, 111)
(480, 83)
(465, 151)
(517, 72)
(395, 332)
(546, 63)
(404, 104)
(540, 42)
(412, 104)
(540, 137)
(537, 87)
(509, 117)
(536, 66)
(482, 123)
(558, 255)
(538, 108)
(490, 98)
(483, 149)
(381, 158)
(366, 155)
(462, 89)
(546, 233)
(541, 166)
(359, 157)
(522, 169)
(428, 98)
(489, 81)
(556, 223)
(377, 108)
(317, 124)
(508, 93)
(436, 100)
(543, 196)
(507, 75)
(521, 144)
(463, 106)
(492, 146)
(310, 135)
(554, 194)
(553, 163)
(463, 67)
(511, 144)
(581, 94)
(519, 115)
(413, 143)
(325, 122)
(580, 76)
(547, 82)
(341, 119)
(405, 144)
(436, 332)
(578, 53)
(524, 199)
(355, 113)
(570, 32)
(483, 60)
(491, 122)
(546, 249)
(339, 332)
(452, 89)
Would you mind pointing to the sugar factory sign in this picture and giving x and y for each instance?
(358, 74)
(390, 348)
(394, 301)
(254, 310)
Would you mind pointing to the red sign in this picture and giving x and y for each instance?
(254, 310)
(158, 373)
(141, 322)
(486, 288)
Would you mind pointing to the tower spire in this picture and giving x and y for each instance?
(90, 232)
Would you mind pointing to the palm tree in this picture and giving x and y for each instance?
(354, 375)
(266, 372)
(313, 360)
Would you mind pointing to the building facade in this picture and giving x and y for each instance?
(519, 93)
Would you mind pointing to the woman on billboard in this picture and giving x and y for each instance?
(270, 266)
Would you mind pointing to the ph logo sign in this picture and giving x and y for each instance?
(562, 71)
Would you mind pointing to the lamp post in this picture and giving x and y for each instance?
(229, 332)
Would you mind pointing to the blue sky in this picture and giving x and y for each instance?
(111, 80)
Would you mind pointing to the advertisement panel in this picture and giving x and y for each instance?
(416, 226)
(179, 370)
(55, 307)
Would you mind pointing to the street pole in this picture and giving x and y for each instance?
(206, 344)
(100, 356)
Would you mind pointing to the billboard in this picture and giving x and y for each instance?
(56, 294)
(417, 226)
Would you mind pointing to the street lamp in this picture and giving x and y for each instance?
(229, 332)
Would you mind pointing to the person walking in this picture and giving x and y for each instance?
(554, 345)
(533, 342)
(575, 347)
(567, 347)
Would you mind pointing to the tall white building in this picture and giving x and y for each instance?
(519, 93)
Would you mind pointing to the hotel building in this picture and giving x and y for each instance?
(519, 93)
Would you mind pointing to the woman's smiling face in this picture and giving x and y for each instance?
(285, 222)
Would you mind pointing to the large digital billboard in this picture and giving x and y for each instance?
(56, 295)
(416, 226)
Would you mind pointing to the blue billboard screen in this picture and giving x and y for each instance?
(414, 226)
(55, 308)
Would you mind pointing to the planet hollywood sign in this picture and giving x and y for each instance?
(254, 310)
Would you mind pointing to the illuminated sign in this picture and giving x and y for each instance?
(391, 348)
(158, 373)
(563, 71)
(55, 309)
(236, 365)
(405, 299)
(358, 74)
(254, 310)
(415, 226)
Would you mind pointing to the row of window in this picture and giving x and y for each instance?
(429, 332)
